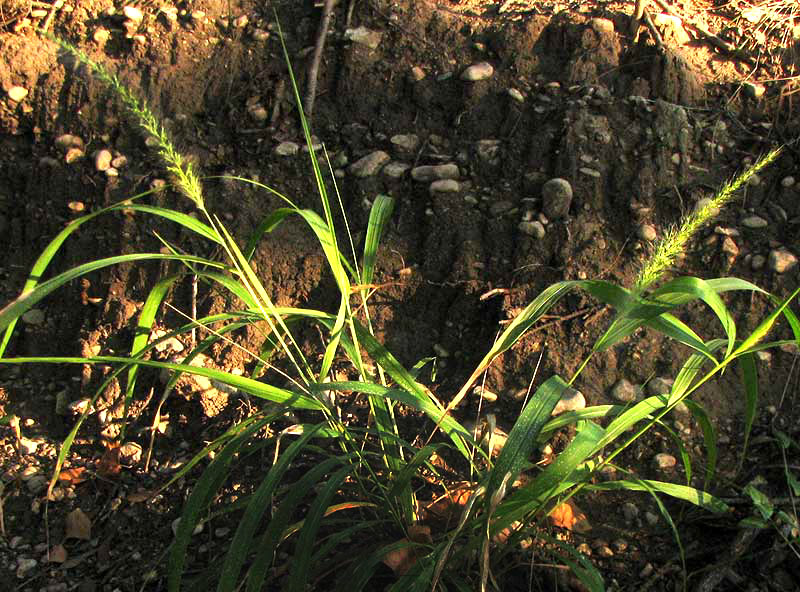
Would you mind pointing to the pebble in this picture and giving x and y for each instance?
(781, 260)
(532, 228)
(17, 93)
(221, 532)
(479, 71)
(37, 484)
(258, 113)
(444, 186)
(27, 446)
(664, 461)
(73, 155)
(369, 165)
(102, 160)
(571, 400)
(120, 162)
(364, 36)
(259, 35)
(34, 316)
(646, 232)
(659, 386)
(729, 247)
(757, 262)
(130, 453)
(67, 141)
(395, 170)
(651, 518)
(605, 551)
(405, 142)
(556, 198)
(630, 511)
(427, 173)
(417, 73)
(24, 566)
(132, 13)
(287, 149)
(754, 222)
(702, 203)
(516, 95)
(625, 391)
(240, 22)
(787, 181)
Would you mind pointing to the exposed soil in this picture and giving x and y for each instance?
(640, 132)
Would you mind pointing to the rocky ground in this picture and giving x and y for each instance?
(524, 142)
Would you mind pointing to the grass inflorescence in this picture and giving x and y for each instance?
(359, 483)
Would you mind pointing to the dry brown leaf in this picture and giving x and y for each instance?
(420, 533)
(108, 466)
(58, 554)
(568, 515)
(73, 476)
(402, 559)
(78, 526)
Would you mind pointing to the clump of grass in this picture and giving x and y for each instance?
(356, 485)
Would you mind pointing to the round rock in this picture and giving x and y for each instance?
(17, 93)
(781, 260)
(571, 400)
(556, 198)
(664, 462)
(405, 142)
(532, 228)
(132, 13)
(646, 232)
(287, 149)
(445, 186)
(754, 222)
(33, 317)
(369, 165)
(428, 173)
(624, 391)
(102, 160)
(479, 71)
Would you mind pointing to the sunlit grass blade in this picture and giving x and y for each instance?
(518, 327)
(379, 215)
(709, 439)
(763, 327)
(683, 492)
(558, 476)
(267, 544)
(248, 385)
(259, 502)
(298, 574)
(522, 438)
(25, 301)
(641, 410)
(680, 332)
(573, 417)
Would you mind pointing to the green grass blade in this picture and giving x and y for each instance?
(379, 215)
(763, 327)
(643, 409)
(581, 567)
(267, 224)
(300, 569)
(248, 385)
(680, 332)
(242, 542)
(522, 438)
(280, 519)
(571, 417)
(29, 298)
(210, 481)
(682, 492)
(709, 439)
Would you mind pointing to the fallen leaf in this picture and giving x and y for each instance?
(420, 533)
(78, 526)
(108, 465)
(58, 554)
(73, 476)
(402, 559)
(568, 515)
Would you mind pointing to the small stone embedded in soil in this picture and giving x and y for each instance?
(556, 198)
(625, 391)
(516, 95)
(664, 461)
(571, 400)
(27, 446)
(647, 232)
(479, 71)
(703, 203)
(102, 160)
(34, 316)
(258, 113)
(395, 170)
(427, 173)
(754, 222)
(240, 22)
(532, 228)
(177, 522)
(405, 142)
(781, 260)
(417, 73)
(364, 36)
(729, 247)
(67, 141)
(659, 386)
(787, 181)
(73, 155)
(630, 511)
(444, 186)
(758, 262)
(36, 484)
(259, 35)
(17, 93)
(133, 13)
(24, 566)
(369, 165)
(287, 149)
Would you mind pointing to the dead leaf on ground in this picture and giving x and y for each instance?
(73, 476)
(450, 506)
(108, 466)
(58, 554)
(402, 559)
(78, 526)
(568, 515)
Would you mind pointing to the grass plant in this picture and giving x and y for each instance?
(341, 498)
